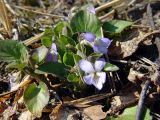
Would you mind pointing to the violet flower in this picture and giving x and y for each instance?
(91, 9)
(93, 72)
(52, 55)
(89, 36)
(101, 45)
(98, 46)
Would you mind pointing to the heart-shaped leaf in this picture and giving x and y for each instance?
(85, 21)
(46, 39)
(68, 59)
(110, 67)
(73, 78)
(36, 98)
(53, 68)
(13, 51)
(39, 54)
(116, 26)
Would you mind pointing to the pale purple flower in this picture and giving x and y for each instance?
(66, 18)
(89, 36)
(52, 55)
(101, 45)
(93, 72)
(98, 46)
(91, 9)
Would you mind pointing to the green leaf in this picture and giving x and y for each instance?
(84, 21)
(129, 114)
(77, 58)
(16, 65)
(65, 44)
(68, 59)
(13, 51)
(47, 37)
(65, 40)
(39, 54)
(94, 56)
(36, 98)
(110, 67)
(46, 41)
(58, 29)
(53, 68)
(77, 84)
(116, 26)
(73, 78)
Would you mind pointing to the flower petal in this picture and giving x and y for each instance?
(55, 57)
(102, 76)
(91, 9)
(99, 48)
(86, 66)
(88, 79)
(102, 49)
(95, 47)
(104, 42)
(99, 65)
(53, 47)
(49, 57)
(89, 36)
(99, 80)
(52, 57)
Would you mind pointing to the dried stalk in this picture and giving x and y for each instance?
(36, 12)
(111, 13)
(4, 18)
(33, 39)
(107, 5)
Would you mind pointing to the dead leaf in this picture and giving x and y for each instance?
(144, 70)
(65, 113)
(95, 112)
(11, 110)
(26, 115)
(5, 97)
(19, 94)
(55, 113)
(3, 106)
(126, 97)
(127, 45)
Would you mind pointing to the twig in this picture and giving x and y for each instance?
(20, 86)
(155, 115)
(149, 34)
(89, 99)
(7, 93)
(36, 12)
(132, 2)
(124, 61)
(2, 29)
(140, 26)
(140, 108)
(111, 13)
(112, 83)
(33, 39)
(4, 18)
(9, 8)
(108, 4)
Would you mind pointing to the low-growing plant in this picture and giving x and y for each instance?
(75, 51)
